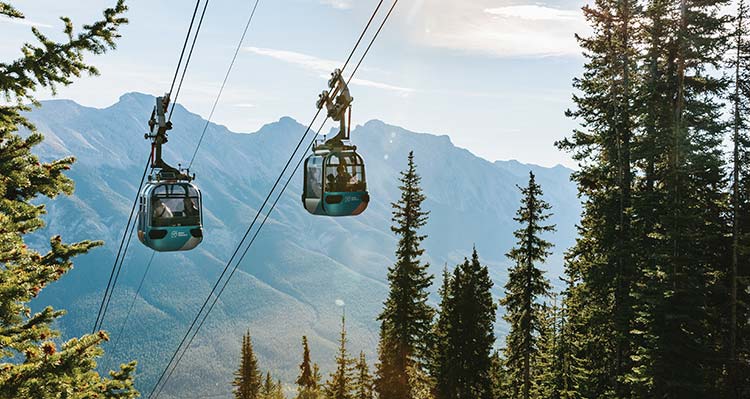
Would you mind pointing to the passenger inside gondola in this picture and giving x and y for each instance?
(189, 206)
(342, 178)
(175, 205)
(161, 211)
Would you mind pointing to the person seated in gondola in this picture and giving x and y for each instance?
(161, 211)
(190, 208)
(331, 182)
(314, 187)
(342, 178)
(354, 183)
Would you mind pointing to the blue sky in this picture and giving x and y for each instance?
(494, 75)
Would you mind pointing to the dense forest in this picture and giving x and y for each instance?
(656, 288)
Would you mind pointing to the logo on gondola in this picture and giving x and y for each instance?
(176, 234)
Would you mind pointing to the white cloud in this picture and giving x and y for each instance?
(496, 29)
(384, 86)
(23, 21)
(321, 66)
(534, 12)
(339, 4)
(303, 60)
(244, 105)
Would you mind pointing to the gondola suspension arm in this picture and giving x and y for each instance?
(159, 125)
(337, 102)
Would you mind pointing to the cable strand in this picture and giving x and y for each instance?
(184, 45)
(169, 368)
(223, 84)
(116, 341)
(119, 251)
(189, 57)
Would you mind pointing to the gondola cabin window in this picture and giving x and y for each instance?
(344, 173)
(175, 205)
(314, 183)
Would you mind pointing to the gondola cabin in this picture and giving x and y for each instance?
(335, 183)
(169, 216)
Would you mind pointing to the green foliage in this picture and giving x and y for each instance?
(608, 110)
(500, 382)
(363, 382)
(680, 195)
(271, 389)
(546, 367)
(420, 384)
(51, 64)
(647, 302)
(526, 285)
(406, 317)
(34, 361)
(248, 379)
(464, 333)
(305, 379)
(738, 341)
(340, 385)
(308, 381)
(554, 371)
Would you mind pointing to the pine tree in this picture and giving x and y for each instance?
(526, 285)
(340, 386)
(406, 318)
(568, 369)
(607, 107)
(268, 388)
(308, 381)
(420, 384)
(466, 335)
(317, 377)
(363, 383)
(500, 381)
(738, 346)
(248, 381)
(271, 389)
(42, 366)
(681, 205)
(441, 368)
(547, 367)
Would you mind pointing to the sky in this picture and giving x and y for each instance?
(494, 75)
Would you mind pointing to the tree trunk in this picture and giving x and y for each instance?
(733, 363)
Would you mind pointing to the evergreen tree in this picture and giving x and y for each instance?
(41, 366)
(271, 389)
(738, 345)
(500, 382)
(317, 378)
(406, 318)
(546, 370)
(466, 335)
(568, 366)
(363, 384)
(556, 364)
(248, 379)
(340, 386)
(308, 381)
(268, 388)
(681, 205)
(526, 284)
(607, 106)
(420, 384)
(440, 366)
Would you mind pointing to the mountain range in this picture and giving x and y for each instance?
(301, 274)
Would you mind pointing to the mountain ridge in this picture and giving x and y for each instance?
(301, 265)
